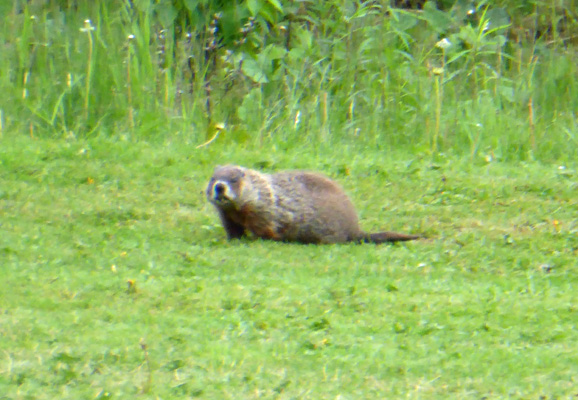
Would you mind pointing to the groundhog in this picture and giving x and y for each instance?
(292, 206)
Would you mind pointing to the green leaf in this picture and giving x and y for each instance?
(253, 70)
(304, 38)
(142, 5)
(276, 4)
(498, 18)
(249, 110)
(191, 5)
(402, 21)
(438, 20)
(269, 13)
(254, 6)
(166, 13)
(296, 54)
(462, 9)
(274, 52)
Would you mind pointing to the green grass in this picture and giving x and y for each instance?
(117, 280)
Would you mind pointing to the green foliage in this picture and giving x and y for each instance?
(272, 71)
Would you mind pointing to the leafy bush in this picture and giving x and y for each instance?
(484, 76)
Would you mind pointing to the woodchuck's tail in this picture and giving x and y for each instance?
(388, 237)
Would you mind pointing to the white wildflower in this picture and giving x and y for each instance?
(443, 44)
(87, 26)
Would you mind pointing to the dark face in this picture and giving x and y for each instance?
(225, 185)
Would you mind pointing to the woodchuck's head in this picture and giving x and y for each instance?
(225, 186)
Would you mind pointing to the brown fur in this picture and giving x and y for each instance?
(293, 206)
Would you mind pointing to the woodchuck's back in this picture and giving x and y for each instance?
(320, 210)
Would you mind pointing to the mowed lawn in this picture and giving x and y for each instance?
(117, 281)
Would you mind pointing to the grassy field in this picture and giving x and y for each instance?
(117, 281)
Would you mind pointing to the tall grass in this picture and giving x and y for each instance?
(344, 72)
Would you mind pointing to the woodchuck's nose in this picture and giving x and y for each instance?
(219, 189)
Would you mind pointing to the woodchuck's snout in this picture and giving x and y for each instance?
(220, 189)
(220, 193)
